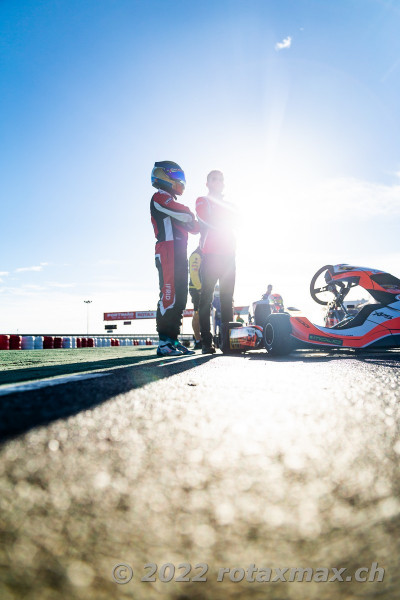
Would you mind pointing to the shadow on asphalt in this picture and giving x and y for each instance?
(22, 411)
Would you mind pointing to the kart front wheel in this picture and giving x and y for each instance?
(224, 342)
(277, 334)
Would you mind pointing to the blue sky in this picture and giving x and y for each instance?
(93, 92)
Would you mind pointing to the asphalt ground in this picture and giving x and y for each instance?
(230, 461)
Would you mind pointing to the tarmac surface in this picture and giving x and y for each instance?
(230, 461)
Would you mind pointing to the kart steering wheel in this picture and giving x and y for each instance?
(329, 287)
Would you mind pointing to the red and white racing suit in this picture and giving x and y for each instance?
(171, 222)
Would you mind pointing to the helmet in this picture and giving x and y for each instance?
(276, 303)
(168, 176)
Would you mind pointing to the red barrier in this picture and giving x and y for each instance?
(15, 342)
(90, 342)
(48, 342)
(58, 342)
(84, 343)
(79, 342)
(4, 342)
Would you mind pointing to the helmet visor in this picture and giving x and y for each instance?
(176, 175)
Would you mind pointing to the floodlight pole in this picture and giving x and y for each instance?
(87, 302)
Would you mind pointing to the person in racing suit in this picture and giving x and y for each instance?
(218, 245)
(171, 222)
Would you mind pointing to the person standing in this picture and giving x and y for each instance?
(194, 291)
(267, 293)
(171, 223)
(218, 245)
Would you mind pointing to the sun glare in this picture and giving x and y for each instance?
(277, 217)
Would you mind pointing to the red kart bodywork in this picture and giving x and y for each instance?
(381, 325)
(305, 331)
(376, 325)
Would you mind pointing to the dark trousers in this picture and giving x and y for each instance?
(172, 266)
(216, 267)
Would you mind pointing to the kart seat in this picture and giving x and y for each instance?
(360, 317)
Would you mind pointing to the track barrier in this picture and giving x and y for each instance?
(28, 342)
(50, 342)
(15, 342)
(38, 343)
(66, 342)
(4, 342)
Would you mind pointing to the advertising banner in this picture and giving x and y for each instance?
(151, 314)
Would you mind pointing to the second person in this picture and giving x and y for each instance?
(218, 245)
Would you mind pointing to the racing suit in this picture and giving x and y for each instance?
(218, 246)
(171, 222)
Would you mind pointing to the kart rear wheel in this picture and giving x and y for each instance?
(277, 334)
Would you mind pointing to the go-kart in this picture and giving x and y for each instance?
(376, 325)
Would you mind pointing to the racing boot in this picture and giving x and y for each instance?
(208, 348)
(167, 348)
(182, 349)
(207, 344)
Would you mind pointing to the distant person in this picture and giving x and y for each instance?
(171, 222)
(217, 243)
(267, 293)
(239, 319)
(194, 291)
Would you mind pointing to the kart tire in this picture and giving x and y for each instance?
(277, 335)
(224, 344)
